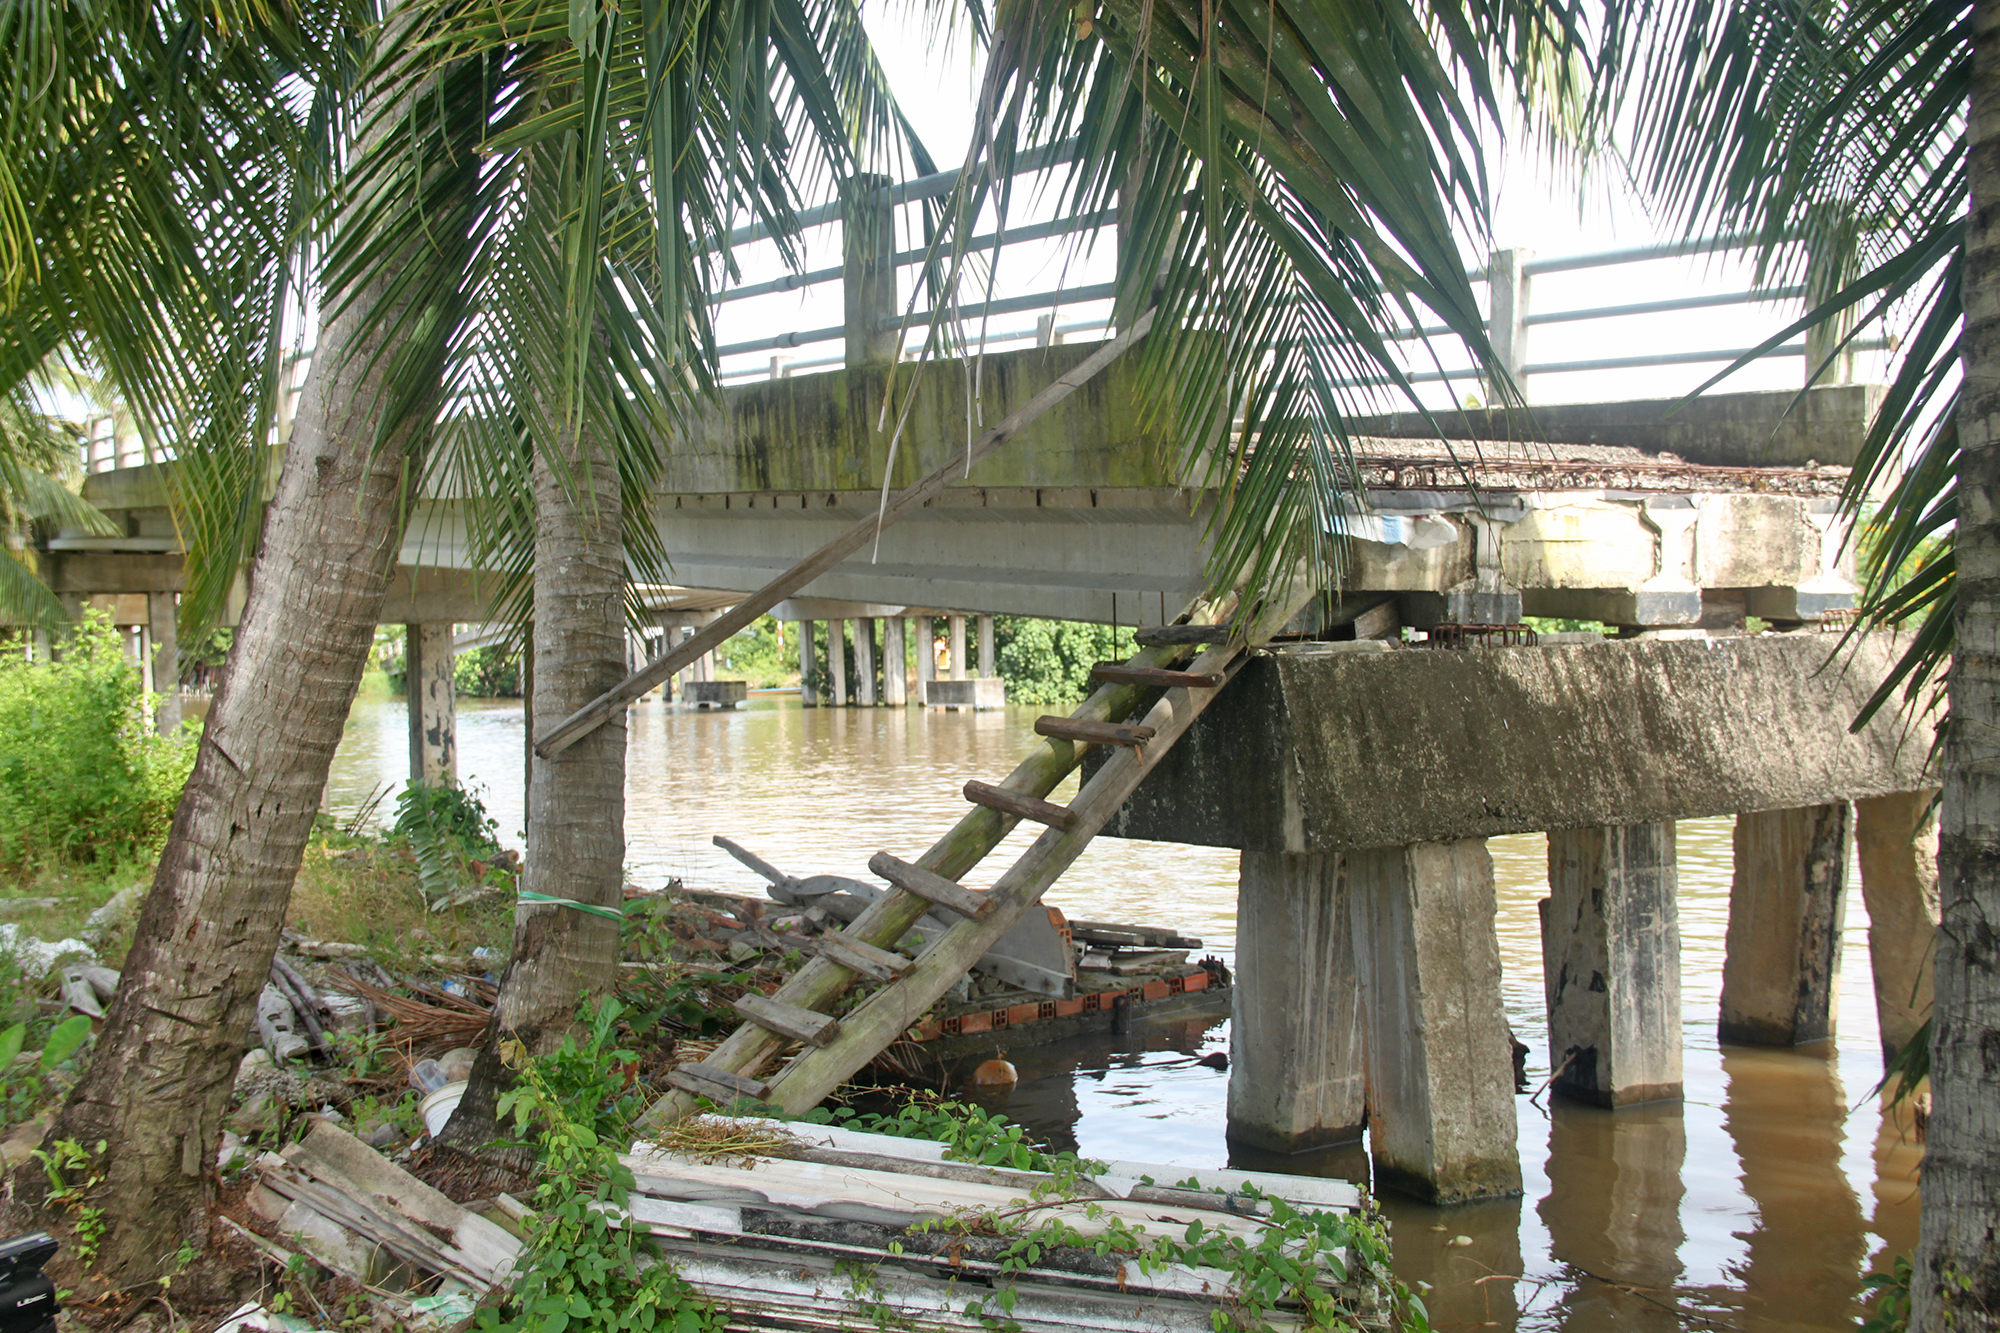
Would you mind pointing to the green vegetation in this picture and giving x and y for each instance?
(491, 672)
(762, 655)
(83, 781)
(1049, 661)
(455, 842)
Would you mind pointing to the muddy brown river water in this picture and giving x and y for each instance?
(1757, 1204)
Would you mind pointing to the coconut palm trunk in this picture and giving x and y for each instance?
(1957, 1281)
(576, 800)
(159, 1084)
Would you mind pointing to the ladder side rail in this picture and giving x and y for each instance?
(821, 980)
(886, 1014)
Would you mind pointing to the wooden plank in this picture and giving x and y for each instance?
(1169, 636)
(788, 1020)
(1018, 805)
(933, 889)
(862, 957)
(1121, 933)
(739, 617)
(718, 1085)
(1159, 678)
(1091, 733)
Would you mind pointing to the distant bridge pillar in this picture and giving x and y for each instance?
(986, 645)
(836, 662)
(807, 694)
(1787, 900)
(1440, 1057)
(1897, 836)
(162, 616)
(957, 647)
(1611, 964)
(895, 663)
(1296, 1078)
(926, 651)
(433, 704)
(864, 661)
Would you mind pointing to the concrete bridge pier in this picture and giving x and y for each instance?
(433, 703)
(1897, 839)
(957, 624)
(1296, 1077)
(1440, 1058)
(836, 662)
(161, 615)
(926, 651)
(807, 694)
(985, 646)
(864, 661)
(1611, 964)
(895, 663)
(1787, 900)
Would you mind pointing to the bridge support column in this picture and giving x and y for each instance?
(1611, 964)
(1296, 1078)
(1897, 838)
(1780, 980)
(895, 662)
(807, 694)
(1440, 1057)
(433, 705)
(957, 624)
(986, 645)
(836, 661)
(926, 652)
(864, 661)
(162, 618)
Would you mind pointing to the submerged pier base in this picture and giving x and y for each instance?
(1440, 1057)
(1611, 964)
(1296, 1074)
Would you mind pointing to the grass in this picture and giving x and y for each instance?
(358, 890)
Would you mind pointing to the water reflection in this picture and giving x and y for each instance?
(1743, 1204)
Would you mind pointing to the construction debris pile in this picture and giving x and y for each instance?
(815, 1227)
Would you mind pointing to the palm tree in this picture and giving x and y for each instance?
(1857, 141)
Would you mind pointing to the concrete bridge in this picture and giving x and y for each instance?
(1360, 786)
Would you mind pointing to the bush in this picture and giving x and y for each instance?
(492, 672)
(82, 778)
(1049, 661)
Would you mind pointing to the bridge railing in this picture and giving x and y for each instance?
(873, 320)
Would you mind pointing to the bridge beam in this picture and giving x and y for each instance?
(1787, 900)
(433, 703)
(1611, 964)
(1440, 1057)
(1296, 1075)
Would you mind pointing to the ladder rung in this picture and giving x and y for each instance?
(1092, 733)
(863, 957)
(1117, 673)
(718, 1085)
(1024, 807)
(932, 888)
(788, 1020)
(1174, 636)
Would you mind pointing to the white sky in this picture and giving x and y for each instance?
(936, 85)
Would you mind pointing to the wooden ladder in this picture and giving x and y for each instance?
(834, 1049)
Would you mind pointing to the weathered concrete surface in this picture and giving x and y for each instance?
(427, 656)
(1322, 752)
(1296, 1079)
(1719, 429)
(1440, 1057)
(975, 692)
(1611, 964)
(1787, 902)
(1896, 837)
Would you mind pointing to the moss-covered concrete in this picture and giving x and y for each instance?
(1327, 752)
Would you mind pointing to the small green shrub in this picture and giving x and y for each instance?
(1049, 661)
(82, 778)
(455, 841)
(491, 672)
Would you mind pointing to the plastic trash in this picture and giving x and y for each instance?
(425, 1076)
